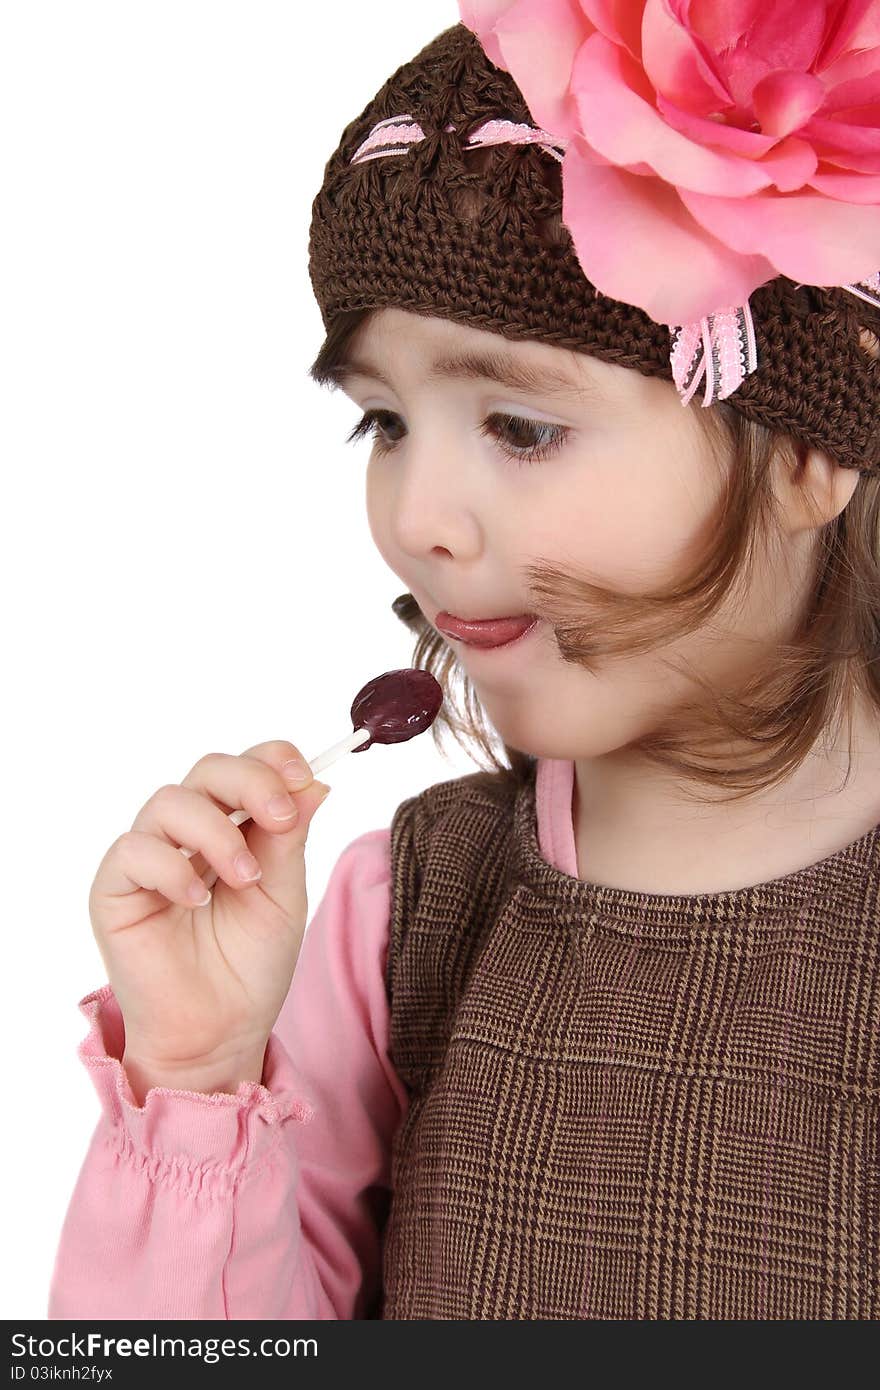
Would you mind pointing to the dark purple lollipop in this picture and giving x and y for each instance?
(396, 706)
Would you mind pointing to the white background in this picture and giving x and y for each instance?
(186, 561)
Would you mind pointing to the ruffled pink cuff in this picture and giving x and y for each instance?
(196, 1137)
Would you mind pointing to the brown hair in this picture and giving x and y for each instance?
(783, 708)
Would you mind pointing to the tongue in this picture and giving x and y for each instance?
(492, 631)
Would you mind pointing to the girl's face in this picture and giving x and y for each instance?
(600, 471)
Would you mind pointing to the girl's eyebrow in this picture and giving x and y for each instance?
(478, 366)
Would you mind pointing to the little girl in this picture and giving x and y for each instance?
(591, 1033)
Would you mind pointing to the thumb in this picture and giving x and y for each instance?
(281, 855)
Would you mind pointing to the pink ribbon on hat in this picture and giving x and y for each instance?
(719, 350)
(396, 133)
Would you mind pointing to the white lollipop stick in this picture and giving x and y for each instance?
(345, 745)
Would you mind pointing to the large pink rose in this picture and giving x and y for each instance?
(710, 144)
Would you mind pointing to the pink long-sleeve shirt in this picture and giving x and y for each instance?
(267, 1203)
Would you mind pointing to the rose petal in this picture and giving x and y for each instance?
(618, 20)
(625, 128)
(626, 228)
(841, 141)
(849, 67)
(787, 33)
(552, 31)
(856, 27)
(481, 16)
(675, 63)
(848, 163)
(785, 101)
(810, 238)
(750, 144)
(791, 164)
(857, 92)
(721, 26)
(849, 188)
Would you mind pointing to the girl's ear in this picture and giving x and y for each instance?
(818, 488)
(820, 484)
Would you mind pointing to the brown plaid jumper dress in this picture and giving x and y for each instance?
(622, 1105)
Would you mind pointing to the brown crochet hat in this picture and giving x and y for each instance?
(412, 214)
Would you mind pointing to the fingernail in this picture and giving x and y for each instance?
(247, 867)
(296, 772)
(325, 791)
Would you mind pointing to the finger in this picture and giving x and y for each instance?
(278, 846)
(282, 855)
(229, 778)
(141, 861)
(279, 851)
(286, 759)
(186, 818)
(243, 783)
(226, 779)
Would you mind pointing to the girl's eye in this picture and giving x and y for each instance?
(372, 422)
(514, 435)
(519, 435)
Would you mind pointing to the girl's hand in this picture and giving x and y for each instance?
(200, 988)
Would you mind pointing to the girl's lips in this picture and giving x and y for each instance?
(488, 632)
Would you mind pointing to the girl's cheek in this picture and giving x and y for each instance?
(595, 530)
(378, 519)
(646, 527)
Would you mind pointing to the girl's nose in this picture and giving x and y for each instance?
(434, 509)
